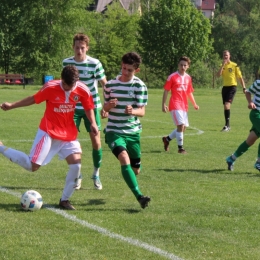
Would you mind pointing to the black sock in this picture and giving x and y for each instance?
(227, 116)
(168, 138)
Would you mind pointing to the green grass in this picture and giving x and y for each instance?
(199, 210)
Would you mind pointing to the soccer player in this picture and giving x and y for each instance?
(57, 133)
(180, 85)
(125, 101)
(254, 105)
(230, 72)
(90, 72)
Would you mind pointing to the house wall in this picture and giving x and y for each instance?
(208, 13)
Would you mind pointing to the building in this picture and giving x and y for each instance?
(207, 7)
(101, 5)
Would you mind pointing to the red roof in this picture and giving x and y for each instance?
(208, 5)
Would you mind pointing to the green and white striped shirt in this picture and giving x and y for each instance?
(132, 93)
(90, 72)
(255, 89)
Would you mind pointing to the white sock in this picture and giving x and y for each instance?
(172, 135)
(71, 181)
(179, 138)
(17, 157)
(96, 172)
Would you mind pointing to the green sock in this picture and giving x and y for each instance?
(97, 157)
(130, 179)
(259, 151)
(242, 148)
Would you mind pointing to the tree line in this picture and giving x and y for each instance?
(36, 35)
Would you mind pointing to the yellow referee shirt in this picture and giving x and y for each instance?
(230, 73)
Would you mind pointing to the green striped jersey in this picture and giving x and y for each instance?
(255, 89)
(132, 93)
(90, 72)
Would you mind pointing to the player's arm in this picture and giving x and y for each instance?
(219, 73)
(251, 104)
(91, 117)
(140, 111)
(103, 82)
(110, 104)
(28, 101)
(241, 80)
(164, 98)
(224, 62)
(192, 100)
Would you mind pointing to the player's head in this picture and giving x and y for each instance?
(80, 46)
(130, 65)
(81, 37)
(183, 64)
(226, 55)
(132, 58)
(69, 76)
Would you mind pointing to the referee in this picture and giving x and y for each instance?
(230, 72)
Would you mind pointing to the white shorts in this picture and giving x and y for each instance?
(45, 148)
(180, 117)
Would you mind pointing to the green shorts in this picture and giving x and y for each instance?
(131, 142)
(255, 119)
(80, 114)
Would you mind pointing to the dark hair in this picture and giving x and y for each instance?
(81, 37)
(70, 75)
(132, 58)
(185, 58)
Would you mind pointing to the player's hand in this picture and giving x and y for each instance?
(224, 62)
(165, 108)
(6, 106)
(94, 129)
(103, 113)
(129, 110)
(244, 90)
(196, 107)
(251, 105)
(112, 103)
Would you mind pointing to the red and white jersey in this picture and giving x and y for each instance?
(180, 87)
(60, 105)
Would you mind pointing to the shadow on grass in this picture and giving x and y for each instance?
(28, 188)
(214, 171)
(95, 202)
(12, 207)
(17, 208)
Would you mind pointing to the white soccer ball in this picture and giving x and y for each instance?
(31, 200)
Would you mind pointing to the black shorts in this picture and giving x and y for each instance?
(228, 94)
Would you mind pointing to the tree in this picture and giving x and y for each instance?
(10, 24)
(236, 28)
(170, 29)
(37, 34)
(112, 35)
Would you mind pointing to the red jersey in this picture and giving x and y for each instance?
(180, 87)
(60, 105)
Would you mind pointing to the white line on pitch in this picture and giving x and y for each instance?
(103, 231)
(199, 132)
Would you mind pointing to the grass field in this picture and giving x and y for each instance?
(199, 210)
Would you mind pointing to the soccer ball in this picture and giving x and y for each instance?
(31, 200)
